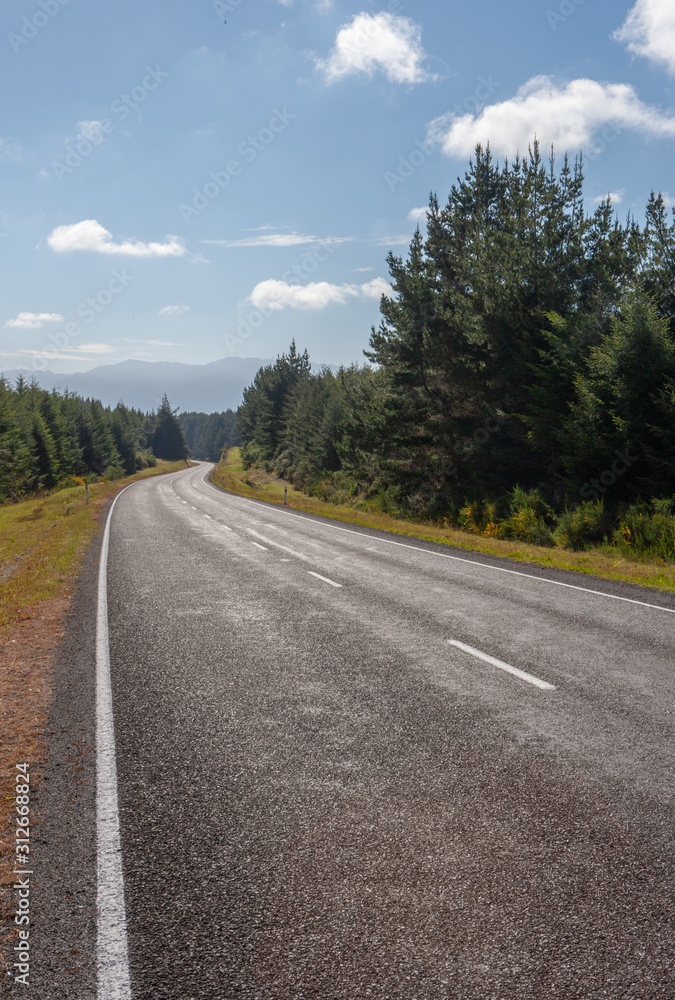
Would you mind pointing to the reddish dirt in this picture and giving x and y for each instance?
(27, 652)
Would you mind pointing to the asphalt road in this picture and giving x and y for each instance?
(326, 792)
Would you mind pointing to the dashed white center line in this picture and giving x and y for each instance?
(324, 578)
(258, 546)
(285, 512)
(278, 545)
(530, 678)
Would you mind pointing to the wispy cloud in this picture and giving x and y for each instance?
(81, 353)
(377, 42)
(417, 215)
(33, 321)
(96, 349)
(91, 130)
(11, 150)
(402, 239)
(616, 197)
(277, 240)
(174, 310)
(89, 235)
(565, 115)
(275, 295)
(151, 343)
(649, 31)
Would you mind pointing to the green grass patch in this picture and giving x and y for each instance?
(43, 541)
(606, 562)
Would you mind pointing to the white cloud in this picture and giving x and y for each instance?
(93, 131)
(33, 321)
(376, 288)
(377, 42)
(616, 197)
(95, 349)
(649, 30)
(417, 215)
(152, 343)
(668, 201)
(11, 151)
(91, 236)
(174, 310)
(275, 295)
(402, 240)
(276, 240)
(76, 353)
(565, 115)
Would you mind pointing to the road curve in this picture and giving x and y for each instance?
(355, 765)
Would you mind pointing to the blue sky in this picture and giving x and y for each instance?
(177, 188)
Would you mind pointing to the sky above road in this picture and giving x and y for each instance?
(186, 181)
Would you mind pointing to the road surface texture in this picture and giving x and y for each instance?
(331, 787)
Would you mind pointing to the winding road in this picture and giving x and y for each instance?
(354, 765)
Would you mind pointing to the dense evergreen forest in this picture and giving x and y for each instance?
(208, 433)
(521, 382)
(47, 438)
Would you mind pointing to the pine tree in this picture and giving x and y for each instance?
(14, 453)
(168, 439)
(625, 405)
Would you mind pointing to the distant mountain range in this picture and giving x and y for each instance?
(208, 388)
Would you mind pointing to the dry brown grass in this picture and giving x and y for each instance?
(605, 563)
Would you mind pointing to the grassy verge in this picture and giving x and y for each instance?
(43, 541)
(605, 562)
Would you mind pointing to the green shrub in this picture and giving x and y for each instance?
(473, 517)
(335, 487)
(114, 472)
(647, 529)
(145, 460)
(529, 519)
(582, 526)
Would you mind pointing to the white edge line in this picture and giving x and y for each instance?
(446, 555)
(112, 953)
(325, 579)
(530, 678)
